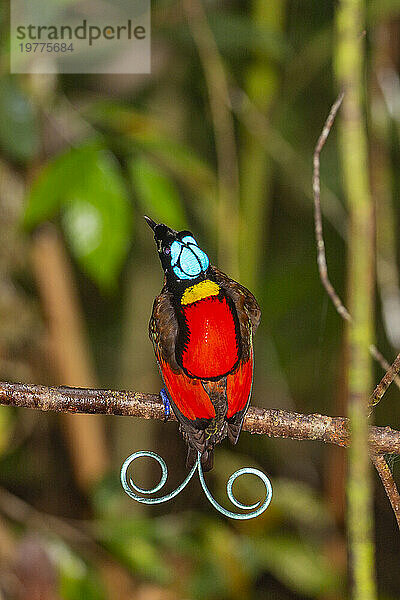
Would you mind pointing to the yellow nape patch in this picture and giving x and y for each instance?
(201, 290)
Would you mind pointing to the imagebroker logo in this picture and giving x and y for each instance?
(90, 33)
(52, 37)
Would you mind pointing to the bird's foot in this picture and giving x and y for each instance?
(167, 405)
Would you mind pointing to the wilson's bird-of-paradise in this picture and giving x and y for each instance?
(202, 328)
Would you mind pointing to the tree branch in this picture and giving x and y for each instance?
(319, 235)
(385, 382)
(388, 483)
(271, 422)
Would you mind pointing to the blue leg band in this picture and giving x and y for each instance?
(166, 402)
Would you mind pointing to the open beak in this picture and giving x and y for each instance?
(150, 223)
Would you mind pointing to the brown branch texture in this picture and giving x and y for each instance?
(272, 422)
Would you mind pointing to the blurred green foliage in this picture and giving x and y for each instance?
(19, 125)
(157, 193)
(85, 185)
(76, 578)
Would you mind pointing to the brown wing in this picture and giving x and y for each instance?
(240, 295)
(247, 308)
(163, 328)
(240, 381)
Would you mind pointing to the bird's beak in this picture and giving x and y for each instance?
(150, 223)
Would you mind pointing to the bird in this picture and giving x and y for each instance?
(202, 327)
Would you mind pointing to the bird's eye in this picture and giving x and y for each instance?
(167, 250)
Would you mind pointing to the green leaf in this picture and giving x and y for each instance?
(148, 134)
(299, 564)
(301, 504)
(86, 186)
(98, 221)
(54, 183)
(157, 193)
(77, 579)
(134, 542)
(19, 132)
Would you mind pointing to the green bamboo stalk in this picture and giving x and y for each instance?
(349, 61)
(255, 168)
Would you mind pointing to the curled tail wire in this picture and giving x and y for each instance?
(133, 490)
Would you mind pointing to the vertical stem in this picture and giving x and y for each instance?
(353, 150)
(261, 86)
(86, 436)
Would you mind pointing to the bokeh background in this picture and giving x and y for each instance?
(219, 140)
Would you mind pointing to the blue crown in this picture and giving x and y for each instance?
(187, 259)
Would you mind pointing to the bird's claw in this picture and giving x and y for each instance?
(167, 405)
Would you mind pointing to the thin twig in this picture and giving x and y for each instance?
(271, 422)
(388, 483)
(384, 383)
(319, 235)
(379, 461)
